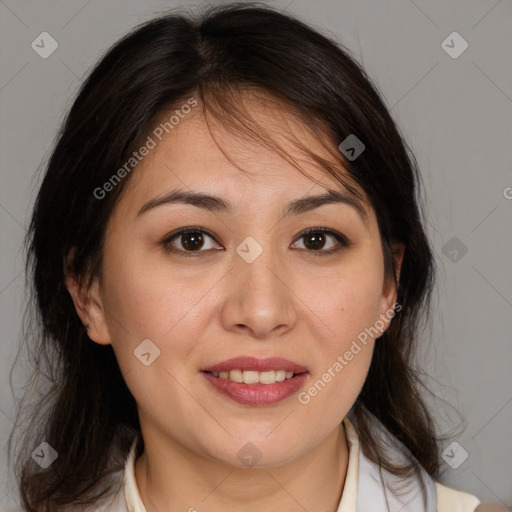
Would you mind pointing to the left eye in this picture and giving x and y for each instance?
(315, 240)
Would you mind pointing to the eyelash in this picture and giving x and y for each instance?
(343, 241)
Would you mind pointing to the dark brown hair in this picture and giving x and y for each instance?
(80, 403)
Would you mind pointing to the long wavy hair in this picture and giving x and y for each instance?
(76, 399)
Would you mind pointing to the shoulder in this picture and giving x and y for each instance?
(452, 500)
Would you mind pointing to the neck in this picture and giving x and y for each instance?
(174, 478)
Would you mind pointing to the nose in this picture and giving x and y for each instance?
(260, 301)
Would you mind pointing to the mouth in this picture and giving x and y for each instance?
(256, 382)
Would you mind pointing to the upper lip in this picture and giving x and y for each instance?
(246, 363)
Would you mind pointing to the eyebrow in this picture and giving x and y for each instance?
(218, 204)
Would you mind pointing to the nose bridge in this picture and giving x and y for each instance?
(261, 299)
(258, 263)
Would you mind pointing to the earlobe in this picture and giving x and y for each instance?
(89, 307)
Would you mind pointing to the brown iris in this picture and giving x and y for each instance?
(317, 240)
(192, 241)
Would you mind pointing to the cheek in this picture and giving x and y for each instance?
(150, 302)
(343, 344)
(148, 298)
(347, 304)
(168, 313)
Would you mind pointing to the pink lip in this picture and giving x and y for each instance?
(257, 394)
(258, 365)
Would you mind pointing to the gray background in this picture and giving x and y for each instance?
(457, 116)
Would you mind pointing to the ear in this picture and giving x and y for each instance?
(389, 289)
(89, 307)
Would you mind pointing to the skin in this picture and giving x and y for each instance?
(205, 309)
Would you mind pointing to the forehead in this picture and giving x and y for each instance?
(199, 152)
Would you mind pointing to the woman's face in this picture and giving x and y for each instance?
(243, 283)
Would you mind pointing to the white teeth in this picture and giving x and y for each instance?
(250, 377)
(268, 377)
(236, 376)
(253, 377)
(280, 375)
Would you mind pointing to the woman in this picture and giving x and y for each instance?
(230, 271)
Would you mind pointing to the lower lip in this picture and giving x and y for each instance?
(257, 394)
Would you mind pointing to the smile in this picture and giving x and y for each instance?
(253, 377)
(256, 393)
